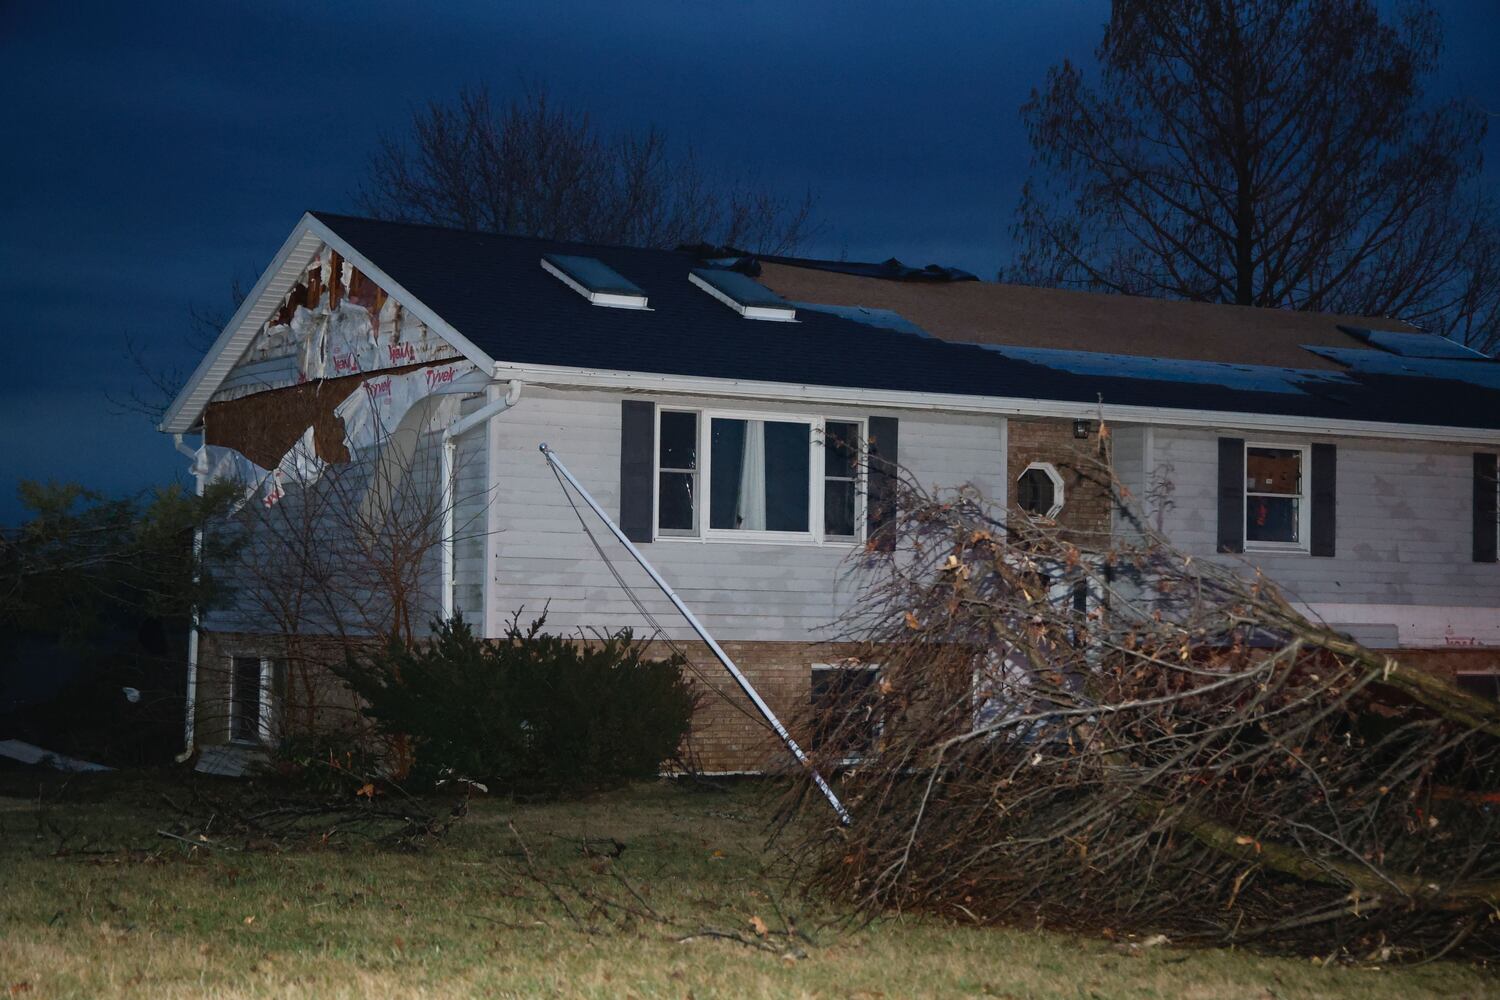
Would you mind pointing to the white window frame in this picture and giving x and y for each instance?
(861, 463)
(1058, 498)
(267, 685)
(1303, 498)
(657, 530)
(874, 668)
(818, 430)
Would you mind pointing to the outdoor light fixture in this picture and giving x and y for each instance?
(1081, 428)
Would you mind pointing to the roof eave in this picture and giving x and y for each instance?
(265, 297)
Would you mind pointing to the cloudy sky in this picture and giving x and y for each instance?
(153, 153)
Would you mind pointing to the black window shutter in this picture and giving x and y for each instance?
(1484, 506)
(884, 445)
(637, 467)
(1325, 464)
(1231, 494)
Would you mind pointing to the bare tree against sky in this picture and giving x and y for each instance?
(1265, 152)
(534, 167)
(157, 383)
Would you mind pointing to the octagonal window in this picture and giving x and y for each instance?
(1039, 490)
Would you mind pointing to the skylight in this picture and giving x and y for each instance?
(743, 294)
(594, 280)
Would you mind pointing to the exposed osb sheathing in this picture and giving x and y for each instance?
(264, 426)
(1020, 316)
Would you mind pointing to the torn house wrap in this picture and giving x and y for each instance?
(377, 408)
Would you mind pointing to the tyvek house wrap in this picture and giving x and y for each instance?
(335, 337)
(349, 326)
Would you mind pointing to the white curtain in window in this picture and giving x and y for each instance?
(752, 506)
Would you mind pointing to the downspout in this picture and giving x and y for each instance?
(190, 713)
(446, 456)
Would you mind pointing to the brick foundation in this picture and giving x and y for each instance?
(306, 695)
(1447, 662)
(728, 734)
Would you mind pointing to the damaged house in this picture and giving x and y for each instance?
(384, 382)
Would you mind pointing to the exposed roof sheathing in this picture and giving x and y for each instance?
(980, 312)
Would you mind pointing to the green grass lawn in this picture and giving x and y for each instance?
(125, 912)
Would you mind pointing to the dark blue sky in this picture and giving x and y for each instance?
(150, 152)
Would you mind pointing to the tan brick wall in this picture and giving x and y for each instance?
(1086, 500)
(728, 733)
(1447, 662)
(308, 696)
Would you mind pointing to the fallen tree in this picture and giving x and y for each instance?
(1114, 735)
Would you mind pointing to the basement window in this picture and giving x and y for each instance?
(1481, 683)
(595, 280)
(250, 684)
(743, 294)
(1039, 490)
(1276, 508)
(845, 709)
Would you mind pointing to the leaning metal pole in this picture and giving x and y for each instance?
(723, 657)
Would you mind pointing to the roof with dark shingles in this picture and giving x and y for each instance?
(493, 290)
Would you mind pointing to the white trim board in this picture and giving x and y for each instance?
(264, 297)
(563, 377)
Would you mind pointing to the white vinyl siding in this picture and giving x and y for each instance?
(1405, 521)
(742, 590)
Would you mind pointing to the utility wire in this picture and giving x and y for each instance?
(659, 632)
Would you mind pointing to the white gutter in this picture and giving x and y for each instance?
(190, 712)
(446, 456)
(589, 378)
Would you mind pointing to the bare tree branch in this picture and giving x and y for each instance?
(1274, 153)
(533, 167)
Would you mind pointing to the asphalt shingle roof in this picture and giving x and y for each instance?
(493, 290)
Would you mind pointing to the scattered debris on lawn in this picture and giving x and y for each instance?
(28, 753)
(267, 816)
(606, 898)
(229, 762)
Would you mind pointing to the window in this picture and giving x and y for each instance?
(759, 478)
(1039, 490)
(1483, 684)
(840, 479)
(746, 476)
(845, 709)
(1276, 510)
(249, 699)
(677, 482)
